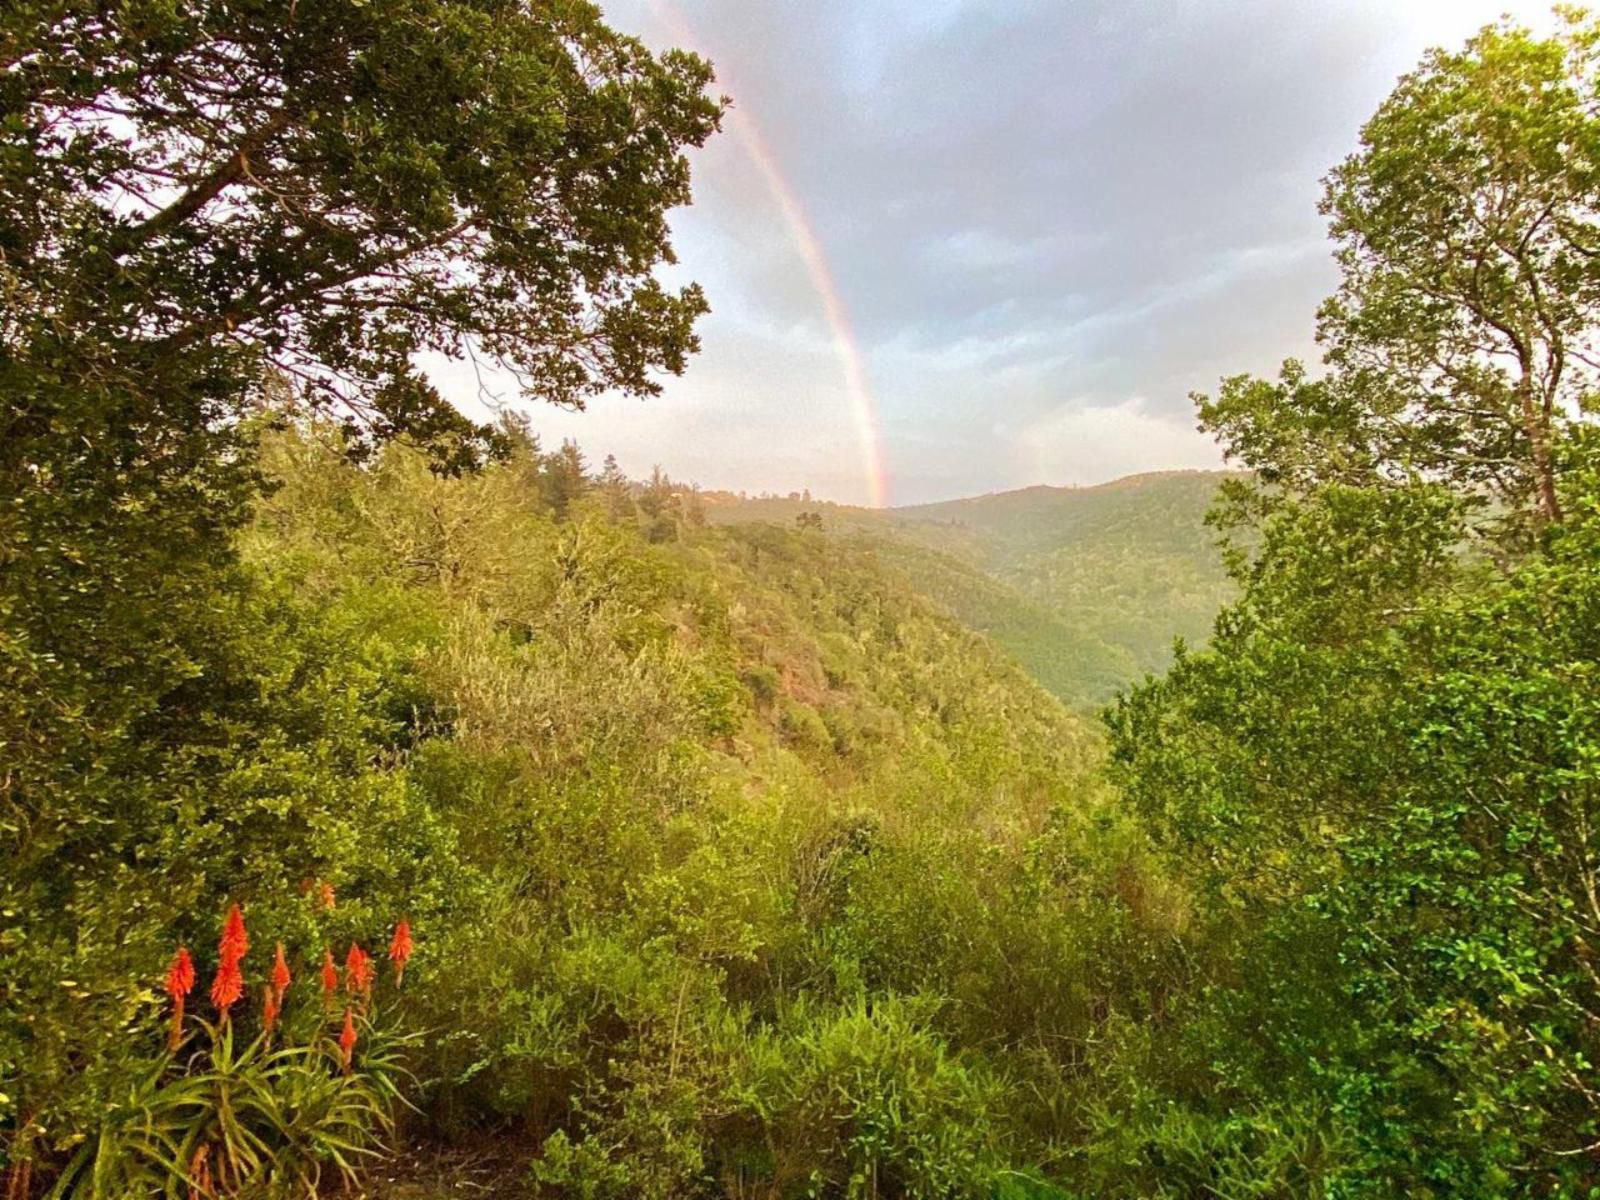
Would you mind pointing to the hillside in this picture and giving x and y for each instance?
(1085, 587)
(1070, 660)
(694, 830)
(797, 649)
(717, 781)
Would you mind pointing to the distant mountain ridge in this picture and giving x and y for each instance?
(1087, 587)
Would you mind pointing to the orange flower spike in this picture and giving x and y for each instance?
(180, 975)
(330, 975)
(347, 1039)
(325, 894)
(400, 949)
(227, 988)
(270, 1007)
(235, 941)
(280, 975)
(179, 983)
(358, 971)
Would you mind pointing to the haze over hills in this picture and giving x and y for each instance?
(1085, 586)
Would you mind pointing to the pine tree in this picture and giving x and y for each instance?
(563, 478)
(617, 490)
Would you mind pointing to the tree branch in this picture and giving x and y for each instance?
(207, 189)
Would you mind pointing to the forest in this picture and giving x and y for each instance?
(402, 806)
(1087, 588)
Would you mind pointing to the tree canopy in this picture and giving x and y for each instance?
(1382, 772)
(1461, 338)
(330, 189)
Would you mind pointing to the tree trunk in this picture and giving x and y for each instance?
(1538, 440)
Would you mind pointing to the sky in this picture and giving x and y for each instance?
(963, 246)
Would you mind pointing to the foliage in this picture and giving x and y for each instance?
(1085, 587)
(240, 1120)
(866, 1102)
(670, 803)
(340, 186)
(1389, 761)
(1470, 286)
(213, 209)
(1381, 775)
(222, 1115)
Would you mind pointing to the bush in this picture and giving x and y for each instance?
(865, 1101)
(803, 728)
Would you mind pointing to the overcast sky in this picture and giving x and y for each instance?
(1047, 223)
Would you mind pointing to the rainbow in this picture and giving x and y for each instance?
(863, 411)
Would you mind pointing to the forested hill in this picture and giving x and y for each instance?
(662, 802)
(670, 777)
(768, 645)
(1087, 587)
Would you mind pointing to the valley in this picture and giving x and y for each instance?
(1085, 587)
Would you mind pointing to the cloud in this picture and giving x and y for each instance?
(1019, 201)
(1085, 445)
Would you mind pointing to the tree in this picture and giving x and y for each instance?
(618, 492)
(1381, 777)
(1466, 230)
(208, 203)
(563, 478)
(660, 494)
(332, 188)
(1381, 772)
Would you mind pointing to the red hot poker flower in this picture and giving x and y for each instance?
(180, 975)
(227, 987)
(358, 971)
(325, 894)
(235, 941)
(179, 982)
(330, 975)
(270, 1006)
(280, 975)
(347, 1039)
(400, 949)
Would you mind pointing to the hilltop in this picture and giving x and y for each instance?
(1085, 586)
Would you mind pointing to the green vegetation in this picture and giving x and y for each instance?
(717, 857)
(1384, 774)
(703, 834)
(1068, 660)
(1087, 588)
(715, 797)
